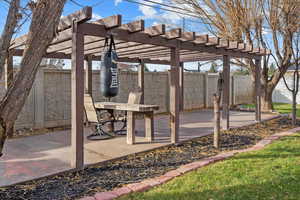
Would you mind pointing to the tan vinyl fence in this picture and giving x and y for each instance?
(49, 103)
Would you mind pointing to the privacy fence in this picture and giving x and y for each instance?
(49, 103)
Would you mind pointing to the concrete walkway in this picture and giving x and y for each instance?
(36, 156)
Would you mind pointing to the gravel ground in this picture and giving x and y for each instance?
(134, 168)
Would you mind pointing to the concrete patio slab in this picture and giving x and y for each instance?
(41, 155)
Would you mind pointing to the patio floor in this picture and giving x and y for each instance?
(36, 156)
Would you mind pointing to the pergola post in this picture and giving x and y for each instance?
(141, 79)
(226, 92)
(181, 86)
(257, 90)
(174, 95)
(88, 76)
(77, 159)
(9, 71)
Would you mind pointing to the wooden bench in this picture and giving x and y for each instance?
(132, 109)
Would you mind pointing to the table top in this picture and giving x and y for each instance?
(126, 106)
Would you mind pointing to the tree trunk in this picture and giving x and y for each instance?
(45, 17)
(266, 100)
(9, 28)
(294, 109)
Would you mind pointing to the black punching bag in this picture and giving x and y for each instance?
(109, 82)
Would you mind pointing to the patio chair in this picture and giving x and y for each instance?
(100, 118)
(96, 118)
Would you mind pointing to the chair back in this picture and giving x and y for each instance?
(90, 111)
(134, 98)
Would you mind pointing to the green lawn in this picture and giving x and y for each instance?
(271, 173)
(282, 108)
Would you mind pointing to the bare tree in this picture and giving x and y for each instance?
(244, 20)
(294, 89)
(42, 30)
(8, 31)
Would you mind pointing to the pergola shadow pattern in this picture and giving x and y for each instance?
(81, 40)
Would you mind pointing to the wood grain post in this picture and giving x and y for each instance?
(9, 71)
(130, 127)
(77, 142)
(257, 90)
(89, 76)
(141, 79)
(149, 126)
(216, 99)
(226, 92)
(174, 95)
(181, 86)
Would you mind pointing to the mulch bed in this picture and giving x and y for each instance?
(134, 168)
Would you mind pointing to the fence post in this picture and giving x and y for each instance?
(205, 89)
(232, 92)
(39, 100)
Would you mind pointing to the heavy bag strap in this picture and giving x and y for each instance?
(112, 45)
(106, 42)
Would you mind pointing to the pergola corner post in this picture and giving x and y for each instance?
(181, 86)
(174, 94)
(89, 75)
(257, 90)
(77, 140)
(226, 92)
(141, 80)
(9, 71)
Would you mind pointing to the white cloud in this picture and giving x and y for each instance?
(149, 12)
(117, 2)
(96, 17)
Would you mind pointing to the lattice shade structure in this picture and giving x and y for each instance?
(81, 40)
(135, 42)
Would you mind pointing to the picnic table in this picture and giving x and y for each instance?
(132, 110)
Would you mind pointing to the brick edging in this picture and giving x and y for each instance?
(152, 182)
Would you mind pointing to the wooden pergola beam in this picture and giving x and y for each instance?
(174, 94)
(257, 90)
(173, 34)
(223, 43)
(188, 36)
(226, 92)
(140, 37)
(156, 30)
(64, 27)
(162, 52)
(201, 39)
(213, 41)
(136, 26)
(77, 139)
(110, 22)
(81, 16)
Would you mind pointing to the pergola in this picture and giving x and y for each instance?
(83, 41)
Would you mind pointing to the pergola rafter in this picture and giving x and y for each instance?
(81, 40)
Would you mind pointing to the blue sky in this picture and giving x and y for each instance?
(129, 12)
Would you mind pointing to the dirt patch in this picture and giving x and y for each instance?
(134, 168)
